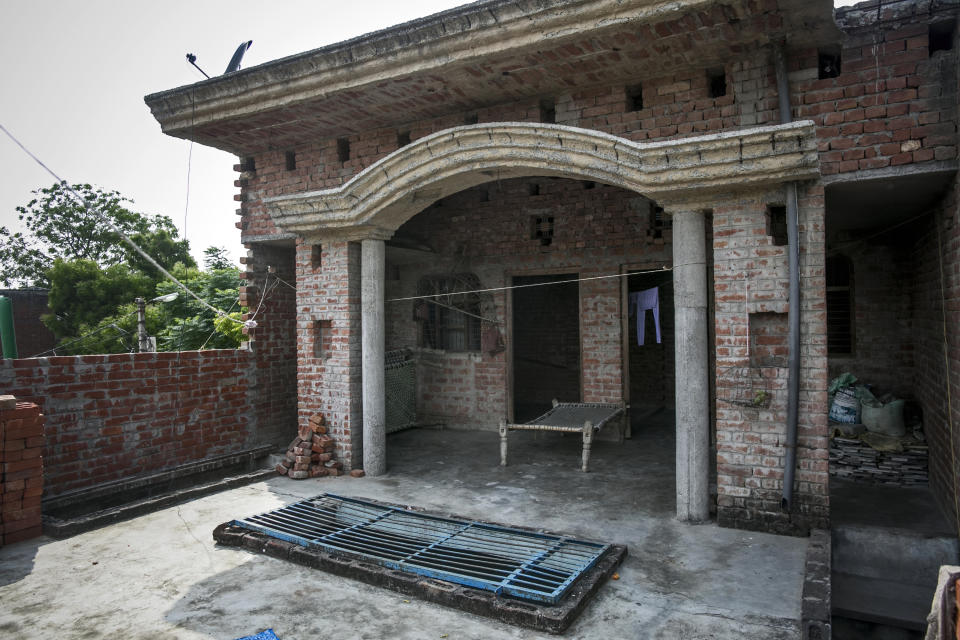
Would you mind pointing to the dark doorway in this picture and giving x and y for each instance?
(651, 365)
(546, 343)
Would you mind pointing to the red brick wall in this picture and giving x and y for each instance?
(117, 416)
(937, 376)
(893, 104)
(270, 295)
(328, 374)
(486, 231)
(21, 476)
(883, 296)
(750, 441)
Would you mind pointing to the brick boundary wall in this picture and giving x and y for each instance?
(117, 416)
(21, 480)
(933, 374)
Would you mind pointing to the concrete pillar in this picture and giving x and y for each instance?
(692, 366)
(372, 275)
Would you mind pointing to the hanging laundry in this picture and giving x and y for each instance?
(639, 303)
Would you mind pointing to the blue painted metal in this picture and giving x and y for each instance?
(522, 564)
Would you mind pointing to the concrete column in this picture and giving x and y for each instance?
(692, 366)
(372, 275)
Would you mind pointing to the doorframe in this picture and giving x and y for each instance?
(508, 277)
(625, 269)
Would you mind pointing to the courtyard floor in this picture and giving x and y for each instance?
(162, 576)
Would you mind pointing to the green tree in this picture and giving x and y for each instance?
(58, 227)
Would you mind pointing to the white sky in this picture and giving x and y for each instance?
(73, 77)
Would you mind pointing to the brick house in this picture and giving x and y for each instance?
(783, 174)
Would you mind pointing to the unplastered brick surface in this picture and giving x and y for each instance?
(486, 230)
(936, 317)
(751, 441)
(116, 416)
(329, 374)
(269, 294)
(21, 470)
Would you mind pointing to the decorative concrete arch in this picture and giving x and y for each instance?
(682, 175)
(386, 194)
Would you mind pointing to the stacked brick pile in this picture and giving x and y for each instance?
(21, 470)
(311, 454)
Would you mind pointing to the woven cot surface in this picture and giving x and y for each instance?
(574, 414)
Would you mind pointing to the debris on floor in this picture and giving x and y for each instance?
(876, 440)
(311, 454)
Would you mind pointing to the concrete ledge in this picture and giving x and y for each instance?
(816, 606)
(77, 511)
(540, 617)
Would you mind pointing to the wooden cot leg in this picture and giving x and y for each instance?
(503, 443)
(587, 441)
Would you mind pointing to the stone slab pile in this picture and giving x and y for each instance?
(854, 460)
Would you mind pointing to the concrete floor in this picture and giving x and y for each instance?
(161, 575)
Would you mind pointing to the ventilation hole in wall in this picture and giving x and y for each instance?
(634, 95)
(316, 257)
(548, 110)
(533, 189)
(777, 225)
(484, 195)
(248, 164)
(940, 36)
(343, 149)
(403, 138)
(659, 221)
(717, 82)
(322, 338)
(589, 184)
(290, 158)
(828, 63)
(541, 228)
(471, 118)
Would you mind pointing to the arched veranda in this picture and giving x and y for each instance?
(687, 176)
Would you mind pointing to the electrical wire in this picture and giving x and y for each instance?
(525, 286)
(85, 336)
(116, 230)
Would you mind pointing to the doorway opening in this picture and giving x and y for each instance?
(546, 343)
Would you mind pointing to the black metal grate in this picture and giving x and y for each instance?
(523, 564)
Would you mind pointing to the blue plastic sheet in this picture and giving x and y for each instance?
(263, 635)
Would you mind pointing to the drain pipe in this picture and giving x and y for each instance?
(793, 311)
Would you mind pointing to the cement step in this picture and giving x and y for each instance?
(881, 601)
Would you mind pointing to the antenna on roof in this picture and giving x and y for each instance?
(192, 59)
(238, 56)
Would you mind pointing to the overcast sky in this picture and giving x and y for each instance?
(73, 77)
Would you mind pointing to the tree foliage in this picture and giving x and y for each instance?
(94, 277)
(58, 227)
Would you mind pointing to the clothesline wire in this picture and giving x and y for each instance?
(525, 286)
(115, 229)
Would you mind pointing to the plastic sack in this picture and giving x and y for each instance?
(845, 407)
(886, 419)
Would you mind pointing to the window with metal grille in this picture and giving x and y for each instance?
(840, 325)
(450, 318)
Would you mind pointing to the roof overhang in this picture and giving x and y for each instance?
(477, 55)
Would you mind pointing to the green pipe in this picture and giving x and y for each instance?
(7, 334)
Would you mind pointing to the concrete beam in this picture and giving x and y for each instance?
(692, 366)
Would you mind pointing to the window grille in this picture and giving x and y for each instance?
(450, 320)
